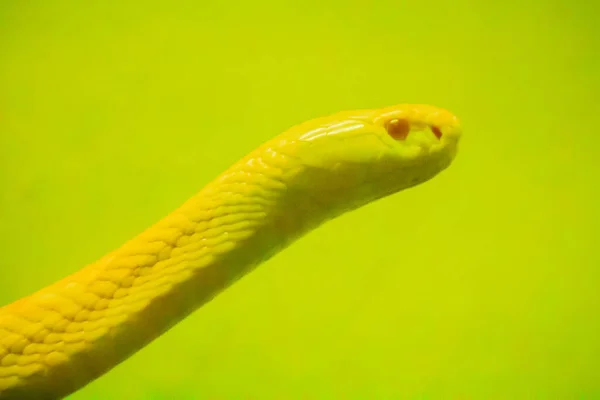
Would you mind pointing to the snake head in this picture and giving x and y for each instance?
(351, 158)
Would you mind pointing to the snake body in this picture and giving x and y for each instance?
(60, 338)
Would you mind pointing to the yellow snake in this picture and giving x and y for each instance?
(62, 337)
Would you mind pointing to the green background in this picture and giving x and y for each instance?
(483, 283)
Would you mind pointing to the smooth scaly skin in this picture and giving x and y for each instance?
(69, 333)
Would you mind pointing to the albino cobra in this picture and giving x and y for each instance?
(62, 337)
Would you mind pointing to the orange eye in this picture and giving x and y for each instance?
(436, 131)
(398, 128)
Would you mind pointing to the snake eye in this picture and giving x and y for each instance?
(398, 128)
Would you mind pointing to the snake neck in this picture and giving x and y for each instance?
(82, 326)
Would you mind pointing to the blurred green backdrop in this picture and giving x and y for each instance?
(482, 283)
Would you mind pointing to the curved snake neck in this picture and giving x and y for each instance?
(73, 331)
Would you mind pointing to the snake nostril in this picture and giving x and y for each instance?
(436, 131)
(398, 128)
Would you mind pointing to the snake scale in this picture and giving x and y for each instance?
(69, 333)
